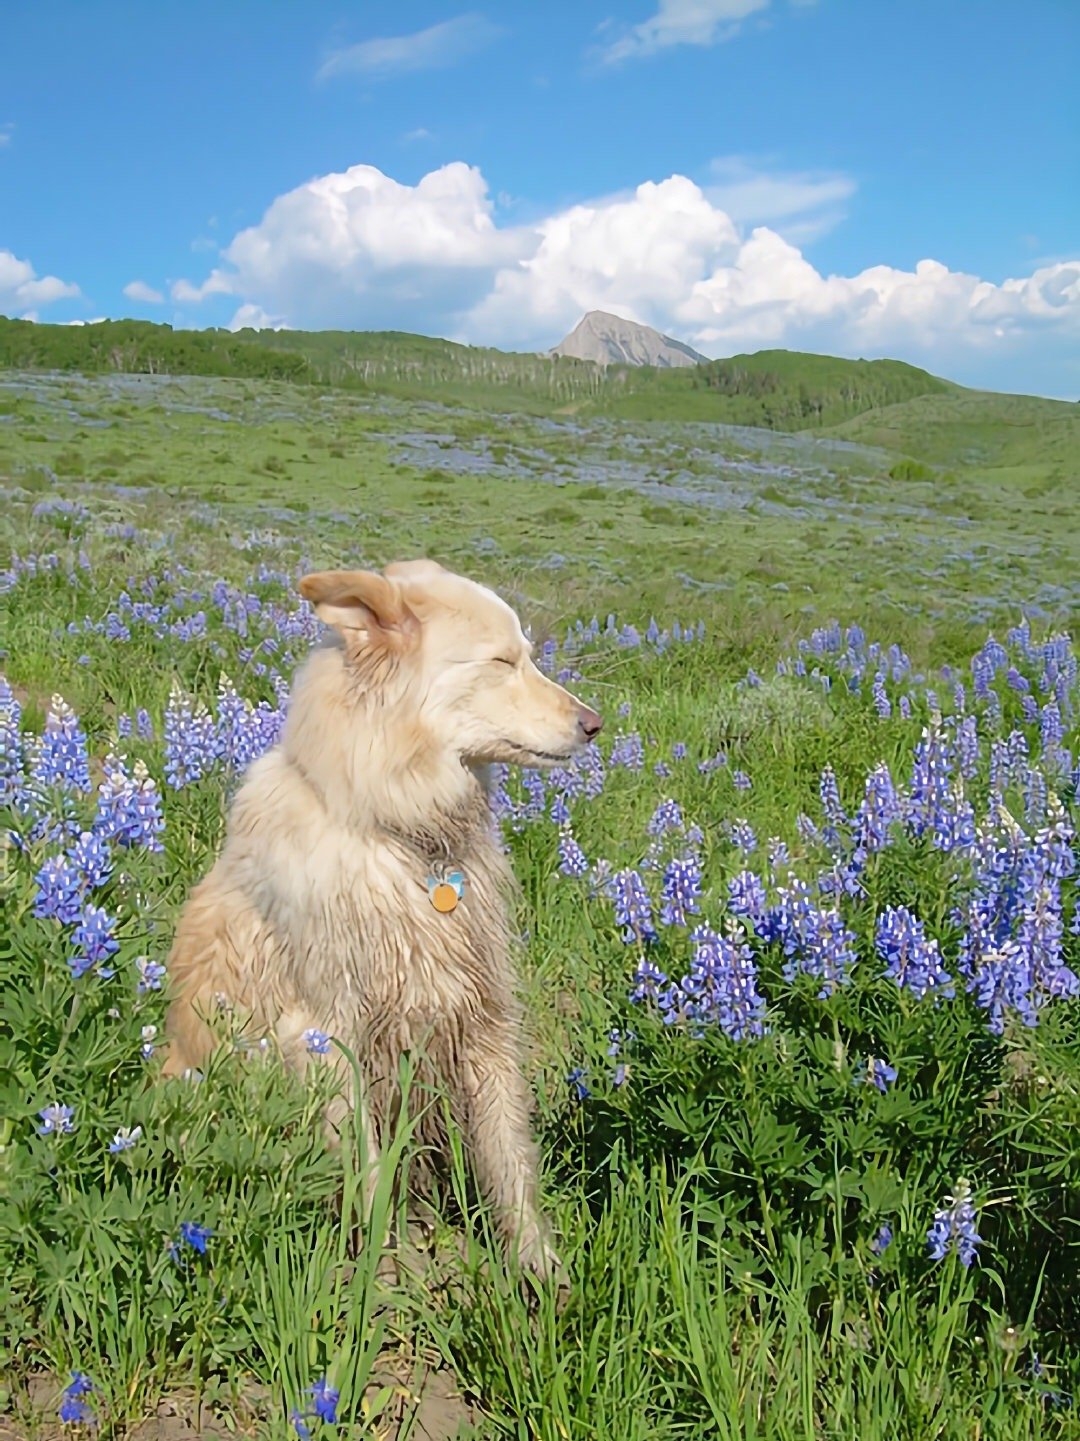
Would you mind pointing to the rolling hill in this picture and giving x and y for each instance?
(880, 402)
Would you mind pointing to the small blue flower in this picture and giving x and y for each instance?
(56, 1120)
(882, 1241)
(126, 1139)
(953, 1228)
(195, 1236)
(317, 1042)
(151, 974)
(324, 1400)
(576, 1081)
(879, 1073)
(74, 1410)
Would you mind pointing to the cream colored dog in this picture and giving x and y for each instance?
(361, 890)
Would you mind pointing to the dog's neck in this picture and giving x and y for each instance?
(445, 837)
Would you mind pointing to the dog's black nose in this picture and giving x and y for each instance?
(590, 723)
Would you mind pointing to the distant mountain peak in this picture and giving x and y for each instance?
(609, 340)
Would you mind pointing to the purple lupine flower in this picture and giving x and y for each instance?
(59, 891)
(190, 741)
(815, 941)
(12, 759)
(316, 1041)
(954, 822)
(720, 988)
(928, 793)
(807, 830)
(882, 704)
(743, 837)
(746, 897)
(94, 941)
(649, 981)
(835, 815)
(633, 909)
(911, 959)
(572, 859)
(967, 747)
(60, 757)
(1012, 950)
(535, 786)
(954, 1228)
(667, 817)
(628, 752)
(56, 1120)
(576, 1081)
(681, 890)
(777, 852)
(879, 810)
(91, 859)
(741, 781)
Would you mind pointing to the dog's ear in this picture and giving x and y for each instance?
(360, 600)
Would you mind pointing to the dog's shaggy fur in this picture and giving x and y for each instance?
(318, 914)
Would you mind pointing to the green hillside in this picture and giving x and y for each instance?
(879, 402)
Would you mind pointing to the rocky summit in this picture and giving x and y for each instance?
(610, 340)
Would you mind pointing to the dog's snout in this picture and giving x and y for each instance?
(589, 722)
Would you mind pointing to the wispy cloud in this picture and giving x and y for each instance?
(6, 132)
(801, 205)
(435, 48)
(420, 133)
(682, 22)
(145, 294)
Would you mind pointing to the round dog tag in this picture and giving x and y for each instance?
(444, 897)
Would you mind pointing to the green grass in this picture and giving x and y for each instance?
(714, 1209)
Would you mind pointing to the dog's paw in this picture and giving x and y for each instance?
(539, 1259)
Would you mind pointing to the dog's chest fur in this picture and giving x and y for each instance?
(362, 949)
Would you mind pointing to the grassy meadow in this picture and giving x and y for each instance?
(800, 945)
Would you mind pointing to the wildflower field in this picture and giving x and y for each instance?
(801, 935)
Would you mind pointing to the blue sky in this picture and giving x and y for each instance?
(879, 177)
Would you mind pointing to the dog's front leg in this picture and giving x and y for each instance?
(497, 1125)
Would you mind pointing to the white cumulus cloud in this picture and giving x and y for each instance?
(21, 288)
(719, 265)
(138, 290)
(254, 317)
(435, 48)
(359, 244)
